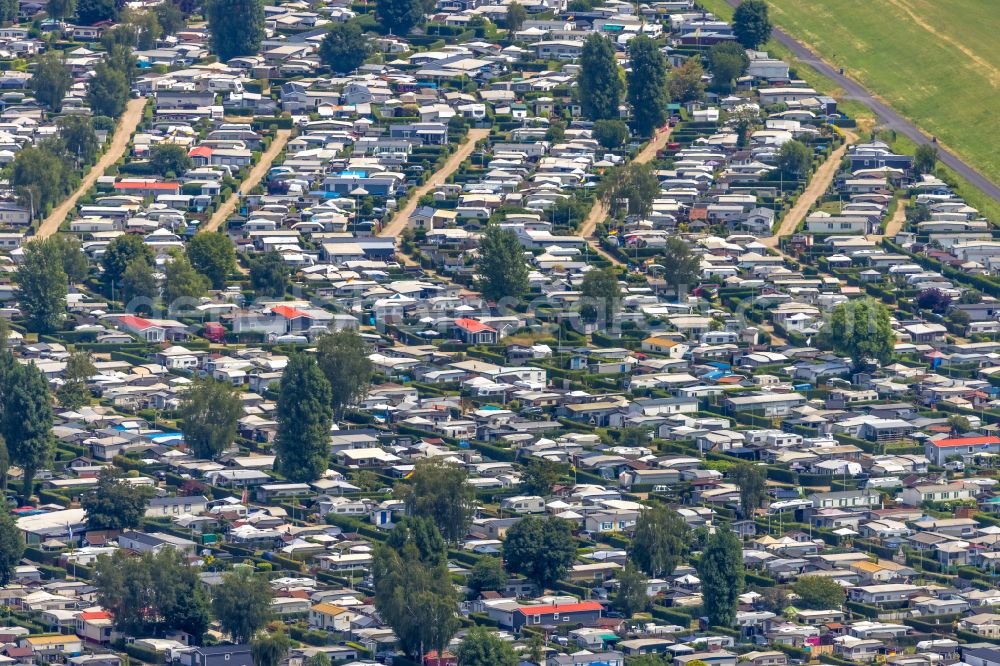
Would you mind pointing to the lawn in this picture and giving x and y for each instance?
(938, 63)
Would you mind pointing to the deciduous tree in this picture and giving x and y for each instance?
(631, 597)
(629, 189)
(516, 16)
(502, 268)
(818, 593)
(611, 134)
(794, 158)
(862, 329)
(304, 415)
(751, 23)
(681, 267)
(542, 549)
(685, 81)
(165, 158)
(210, 411)
(242, 603)
(42, 286)
(39, 172)
(399, 16)
(269, 275)
(81, 140)
(270, 648)
(540, 475)
(345, 47)
(236, 27)
(440, 490)
(660, 541)
(212, 255)
(107, 91)
(73, 393)
(483, 647)
(343, 358)
(122, 251)
(925, 158)
(752, 482)
(138, 282)
(11, 544)
(115, 504)
(647, 84)
(25, 417)
(600, 87)
(413, 591)
(602, 294)
(487, 575)
(51, 80)
(727, 61)
(182, 284)
(89, 12)
(721, 571)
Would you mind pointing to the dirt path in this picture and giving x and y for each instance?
(599, 212)
(817, 186)
(895, 224)
(402, 216)
(119, 142)
(256, 174)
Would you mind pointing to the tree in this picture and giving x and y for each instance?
(413, 591)
(681, 267)
(182, 284)
(482, 647)
(152, 592)
(81, 140)
(516, 16)
(600, 287)
(925, 158)
(660, 541)
(73, 394)
(25, 417)
(270, 648)
(345, 47)
(89, 12)
(242, 603)
(541, 549)
(269, 274)
(41, 286)
(971, 297)
(933, 299)
(862, 329)
(599, 83)
(794, 158)
(212, 255)
(540, 475)
(138, 282)
(165, 158)
(236, 27)
(556, 131)
(685, 81)
(60, 9)
(744, 118)
(727, 61)
(818, 593)
(148, 29)
(634, 436)
(752, 482)
(210, 411)
(40, 172)
(170, 17)
(304, 416)
(343, 358)
(51, 80)
(502, 269)
(108, 90)
(11, 544)
(629, 189)
(631, 597)
(721, 571)
(74, 259)
(487, 575)
(399, 16)
(121, 252)
(647, 84)
(115, 504)
(751, 23)
(611, 134)
(440, 490)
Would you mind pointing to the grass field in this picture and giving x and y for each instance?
(938, 63)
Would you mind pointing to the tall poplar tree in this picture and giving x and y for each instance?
(647, 84)
(599, 84)
(305, 415)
